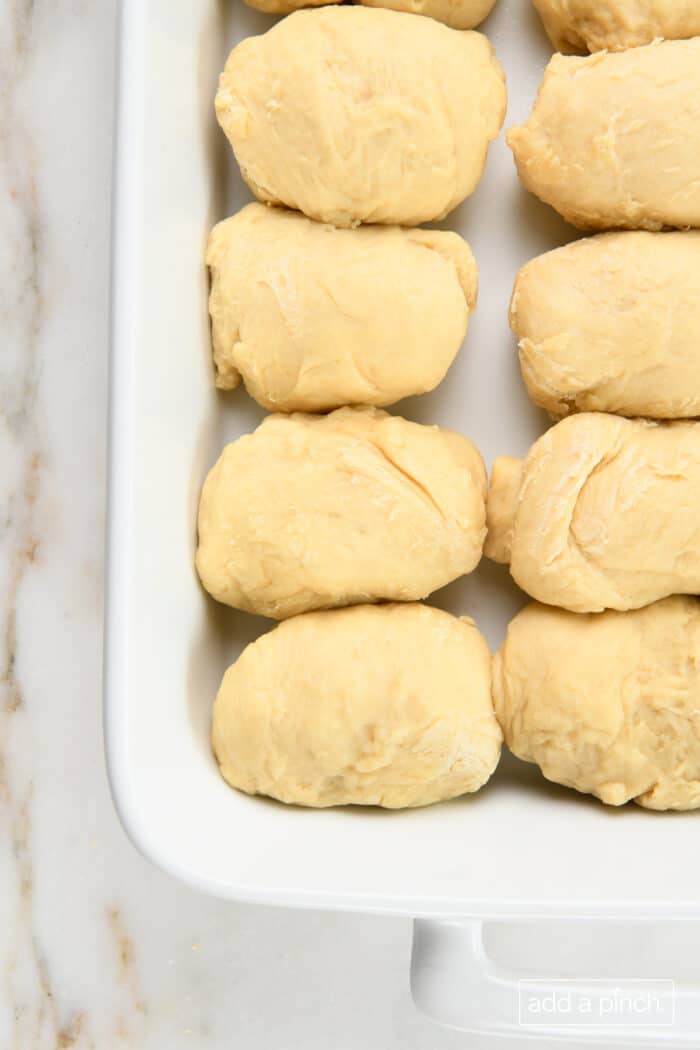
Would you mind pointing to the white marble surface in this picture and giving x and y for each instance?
(99, 950)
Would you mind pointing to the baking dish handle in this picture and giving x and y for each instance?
(455, 982)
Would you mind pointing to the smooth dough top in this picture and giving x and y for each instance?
(602, 513)
(612, 324)
(317, 511)
(351, 115)
(459, 14)
(592, 25)
(315, 317)
(375, 705)
(613, 140)
(606, 703)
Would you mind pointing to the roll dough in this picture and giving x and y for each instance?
(607, 703)
(459, 14)
(612, 324)
(375, 705)
(602, 514)
(614, 139)
(590, 25)
(315, 317)
(356, 115)
(319, 511)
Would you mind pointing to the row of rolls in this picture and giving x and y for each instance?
(402, 705)
(355, 115)
(319, 511)
(572, 25)
(350, 127)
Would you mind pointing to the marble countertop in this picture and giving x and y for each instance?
(99, 950)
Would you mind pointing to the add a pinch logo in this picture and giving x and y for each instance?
(596, 1002)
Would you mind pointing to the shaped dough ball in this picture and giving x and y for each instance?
(318, 511)
(602, 514)
(459, 14)
(314, 317)
(355, 115)
(614, 139)
(589, 25)
(375, 705)
(608, 704)
(612, 324)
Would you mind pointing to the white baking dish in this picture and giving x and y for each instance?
(520, 848)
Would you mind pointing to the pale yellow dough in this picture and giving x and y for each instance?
(314, 317)
(609, 703)
(602, 514)
(376, 705)
(459, 14)
(612, 324)
(592, 25)
(356, 115)
(318, 511)
(614, 139)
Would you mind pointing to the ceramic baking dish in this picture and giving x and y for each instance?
(520, 848)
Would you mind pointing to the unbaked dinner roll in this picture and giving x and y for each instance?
(314, 317)
(612, 324)
(356, 115)
(376, 705)
(459, 14)
(607, 703)
(603, 513)
(317, 511)
(614, 139)
(592, 25)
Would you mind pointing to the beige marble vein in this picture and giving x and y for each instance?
(35, 1012)
(21, 309)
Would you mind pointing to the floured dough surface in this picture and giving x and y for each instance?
(350, 114)
(608, 704)
(318, 511)
(591, 25)
(314, 317)
(612, 324)
(604, 513)
(614, 139)
(374, 705)
(459, 14)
